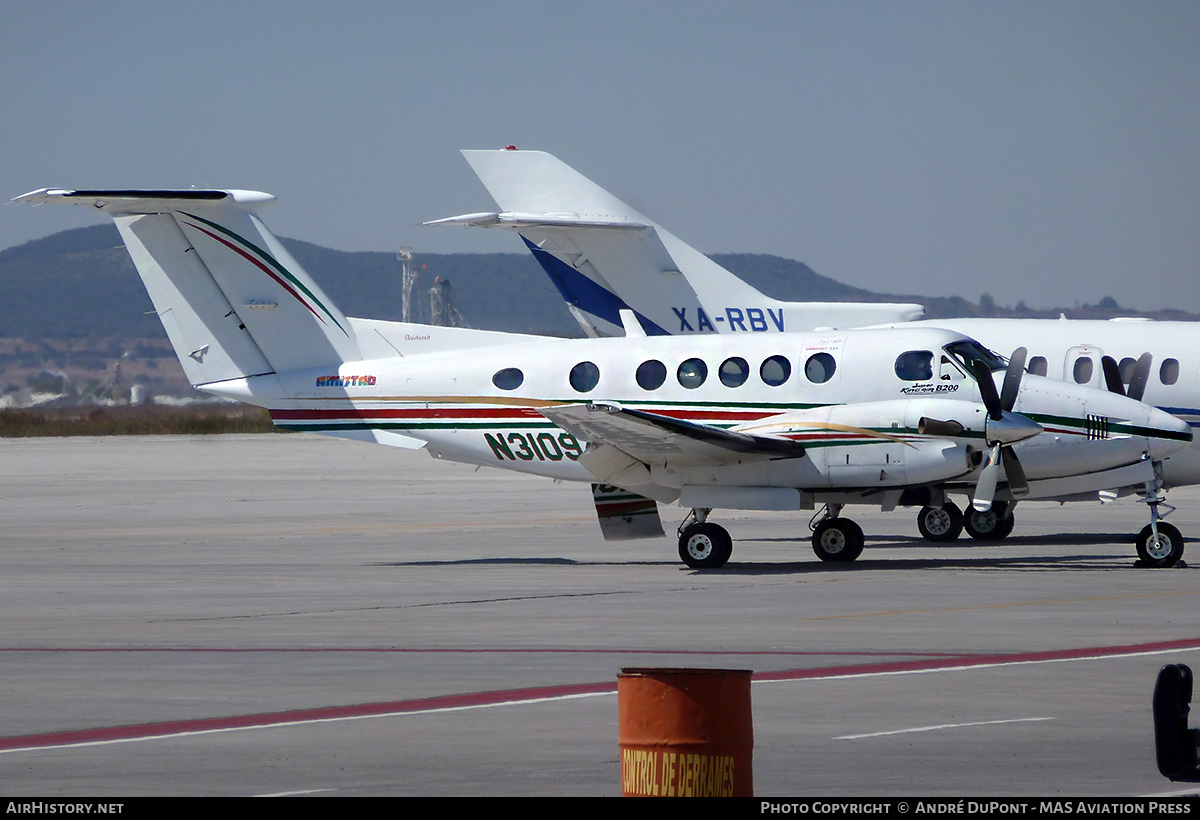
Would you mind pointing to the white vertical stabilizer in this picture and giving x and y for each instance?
(604, 256)
(233, 301)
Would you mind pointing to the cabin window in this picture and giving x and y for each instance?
(651, 374)
(584, 377)
(692, 373)
(509, 378)
(775, 370)
(1037, 366)
(1168, 373)
(1083, 369)
(1126, 368)
(915, 365)
(820, 368)
(734, 372)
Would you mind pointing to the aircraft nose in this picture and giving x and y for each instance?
(1167, 434)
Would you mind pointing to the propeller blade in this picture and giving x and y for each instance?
(1012, 378)
(987, 390)
(1141, 372)
(1017, 483)
(1112, 375)
(985, 490)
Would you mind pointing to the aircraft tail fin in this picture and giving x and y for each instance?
(603, 255)
(233, 301)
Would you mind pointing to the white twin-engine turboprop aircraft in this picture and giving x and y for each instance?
(764, 421)
(604, 256)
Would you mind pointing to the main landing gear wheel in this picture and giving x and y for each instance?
(995, 524)
(1163, 551)
(705, 546)
(837, 539)
(940, 524)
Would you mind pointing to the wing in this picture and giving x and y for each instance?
(655, 439)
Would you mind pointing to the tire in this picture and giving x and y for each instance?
(940, 524)
(1165, 552)
(705, 546)
(837, 539)
(990, 525)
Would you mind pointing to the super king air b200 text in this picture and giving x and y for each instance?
(767, 421)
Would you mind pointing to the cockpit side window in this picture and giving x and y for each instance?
(969, 351)
(915, 365)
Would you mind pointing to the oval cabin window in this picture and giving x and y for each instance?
(509, 378)
(734, 372)
(584, 376)
(775, 371)
(651, 374)
(819, 368)
(692, 373)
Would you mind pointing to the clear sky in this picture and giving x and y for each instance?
(1045, 151)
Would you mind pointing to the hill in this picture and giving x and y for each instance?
(72, 305)
(80, 284)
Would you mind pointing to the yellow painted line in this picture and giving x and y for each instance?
(1049, 602)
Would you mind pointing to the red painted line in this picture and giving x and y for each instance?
(802, 437)
(479, 412)
(1063, 431)
(487, 650)
(144, 730)
(415, 413)
(149, 730)
(261, 267)
(976, 660)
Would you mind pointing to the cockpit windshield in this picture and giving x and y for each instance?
(969, 351)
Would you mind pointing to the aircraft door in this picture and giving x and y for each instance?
(821, 357)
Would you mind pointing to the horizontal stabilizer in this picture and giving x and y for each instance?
(233, 301)
(146, 201)
(517, 222)
(534, 182)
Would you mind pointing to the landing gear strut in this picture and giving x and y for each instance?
(703, 545)
(836, 539)
(1158, 544)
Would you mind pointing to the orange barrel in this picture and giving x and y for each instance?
(686, 733)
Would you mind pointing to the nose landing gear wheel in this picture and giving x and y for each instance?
(837, 539)
(940, 524)
(1164, 551)
(705, 546)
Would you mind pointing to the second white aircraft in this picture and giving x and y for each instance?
(604, 256)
